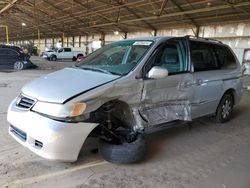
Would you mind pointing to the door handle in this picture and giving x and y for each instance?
(186, 84)
(190, 83)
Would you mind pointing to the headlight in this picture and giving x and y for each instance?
(60, 110)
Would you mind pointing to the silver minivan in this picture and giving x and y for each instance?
(122, 91)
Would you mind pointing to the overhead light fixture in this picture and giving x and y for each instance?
(209, 3)
(116, 32)
(23, 24)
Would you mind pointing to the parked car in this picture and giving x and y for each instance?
(12, 57)
(63, 53)
(122, 91)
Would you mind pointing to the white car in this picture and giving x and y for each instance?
(63, 53)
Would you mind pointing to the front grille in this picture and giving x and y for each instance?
(20, 134)
(24, 102)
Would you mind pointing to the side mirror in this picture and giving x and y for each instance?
(246, 68)
(157, 72)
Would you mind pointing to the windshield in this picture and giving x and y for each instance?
(116, 58)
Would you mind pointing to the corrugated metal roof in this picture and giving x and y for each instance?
(81, 17)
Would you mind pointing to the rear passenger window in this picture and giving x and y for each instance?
(67, 49)
(225, 57)
(203, 56)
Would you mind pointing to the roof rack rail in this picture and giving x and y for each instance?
(208, 39)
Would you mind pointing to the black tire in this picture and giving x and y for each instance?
(74, 58)
(123, 153)
(225, 108)
(53, 58)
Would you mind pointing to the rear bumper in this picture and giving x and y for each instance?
(47, 138)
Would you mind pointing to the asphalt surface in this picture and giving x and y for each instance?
(207, 155)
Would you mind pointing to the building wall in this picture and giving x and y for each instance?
(237, 36)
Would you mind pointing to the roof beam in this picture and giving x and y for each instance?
(207, 9)
(168, 25)
(10, 4)
(37, 8)
(120, 5)
(135, 14)
(162, 9)
(44, 23)
(187, 16)
(98, 14)
(66, 12)
(163, 5)
(45, 28)
(232, 5)
(68, 19)
(69, 14)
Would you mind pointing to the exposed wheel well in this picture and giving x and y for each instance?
(113, 115)
(231, 92)
(118, 109)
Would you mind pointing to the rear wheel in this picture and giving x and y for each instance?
(74, 59)
(225, 108)
(18, 65)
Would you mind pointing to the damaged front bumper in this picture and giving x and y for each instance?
(47, 138)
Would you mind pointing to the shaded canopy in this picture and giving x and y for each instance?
(82, 17)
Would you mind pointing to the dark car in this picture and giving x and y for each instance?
(12, 57)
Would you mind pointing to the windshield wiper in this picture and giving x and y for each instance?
(115, 73)
(96, 69)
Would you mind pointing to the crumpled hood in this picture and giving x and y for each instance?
(59, 86)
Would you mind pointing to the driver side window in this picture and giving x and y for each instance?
(60, 50)
(169, 56)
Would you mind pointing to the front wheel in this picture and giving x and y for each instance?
(53, 58)
(125, 152)
(225, 108)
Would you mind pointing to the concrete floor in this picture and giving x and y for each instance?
(209, 155)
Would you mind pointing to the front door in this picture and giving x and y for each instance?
(60, 53)
(168, 99)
